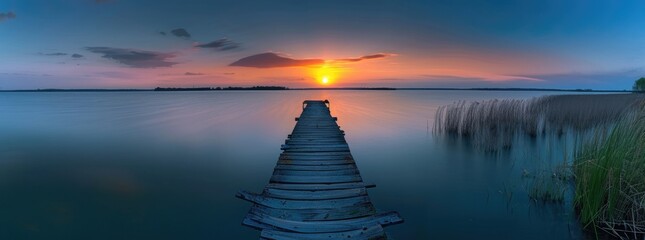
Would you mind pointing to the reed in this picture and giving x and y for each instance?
(610, 179)
(493, 124)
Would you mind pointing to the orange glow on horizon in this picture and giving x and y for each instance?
(326, 74)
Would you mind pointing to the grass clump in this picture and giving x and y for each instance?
(610, 179)
(549, 185)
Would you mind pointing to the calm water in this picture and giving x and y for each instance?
(149, 165)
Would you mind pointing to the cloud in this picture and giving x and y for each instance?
(7, 16)
(366, 57)
(180, 32)
(273, 60)
(135, 58)
(193, 74)
(54, 54)
(220, 44)
(480, 76)
(162, 33)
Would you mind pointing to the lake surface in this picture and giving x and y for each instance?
(167, 165)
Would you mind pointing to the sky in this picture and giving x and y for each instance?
(331, 43)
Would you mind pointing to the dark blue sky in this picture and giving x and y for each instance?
(119, 43)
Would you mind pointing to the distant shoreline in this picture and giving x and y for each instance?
(279, 88)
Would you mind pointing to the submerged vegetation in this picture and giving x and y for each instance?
(549, 185)
(606, 139)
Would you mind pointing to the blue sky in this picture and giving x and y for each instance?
(131, 44)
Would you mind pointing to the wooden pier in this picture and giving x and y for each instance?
(316, 191)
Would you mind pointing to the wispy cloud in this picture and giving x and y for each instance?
(179, 32)
(273, 60)
(57, 54)
(54, 54)
(366, 57)
(135, 58)
(7, 16)
(220, 44)
(480, 76)
(193, 74)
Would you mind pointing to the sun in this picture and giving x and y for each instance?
(325, 75)
(324, 80)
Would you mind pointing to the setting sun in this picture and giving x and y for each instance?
(325, 80)
(326, 74)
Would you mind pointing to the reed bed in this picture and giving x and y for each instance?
(610, 179)
(607, 133)
(493, 125)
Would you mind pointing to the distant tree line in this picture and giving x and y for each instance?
(220, 88)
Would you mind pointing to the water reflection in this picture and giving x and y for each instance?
(167, 165)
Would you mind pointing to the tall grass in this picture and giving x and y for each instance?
(492, 125)
(610, 179)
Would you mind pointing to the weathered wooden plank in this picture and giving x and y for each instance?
(311, 135)
(289, 150)
(315, 179)
(342, 172)
(315, 141)
(314, 119)
(345, 153)
(314, 194)
(255, 224)
(317, 125)
(301, 204)
(317, 129)
(360, 210)
(314, 158)
(313, 148)
(315, 167)
(314, 187)
(316, 155)
(327, 130)
(314, 162)
(342, 155)
(372, 233)
(383, 219)
(316, 145)
(317, 138)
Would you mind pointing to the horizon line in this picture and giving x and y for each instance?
(282, 88)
